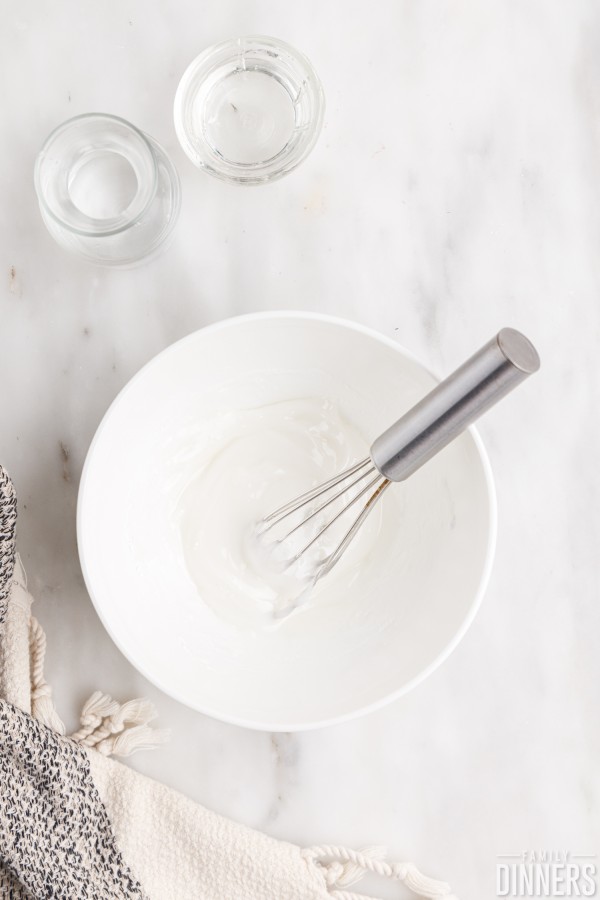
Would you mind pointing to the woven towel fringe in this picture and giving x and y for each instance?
(343, 867)
(42, 704)
(118, 729)
(110, 727)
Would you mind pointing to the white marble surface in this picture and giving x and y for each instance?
(455, 189)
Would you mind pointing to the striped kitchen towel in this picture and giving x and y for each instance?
(75, 823)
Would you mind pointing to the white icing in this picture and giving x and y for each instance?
(251, 462)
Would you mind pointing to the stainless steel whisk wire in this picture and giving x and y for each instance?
(377, 481)
(491, 373)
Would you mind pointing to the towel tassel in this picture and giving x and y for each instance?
(343, 867)
(118, 729)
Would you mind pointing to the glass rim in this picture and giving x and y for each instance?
(199, 151)
(95, 228)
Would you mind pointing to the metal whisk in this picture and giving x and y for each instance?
(497, 368)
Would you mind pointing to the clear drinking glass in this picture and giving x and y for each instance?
(249, 110)
(107, 191)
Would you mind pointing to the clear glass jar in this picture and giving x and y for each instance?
(249, 110)
(107, 191)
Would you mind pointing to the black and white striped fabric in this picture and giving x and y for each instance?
(56, 840)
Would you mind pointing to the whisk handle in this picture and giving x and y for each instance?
(500, 365)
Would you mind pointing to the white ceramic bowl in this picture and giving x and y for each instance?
(310, 672)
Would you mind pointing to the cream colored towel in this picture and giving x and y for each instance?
(76, 824)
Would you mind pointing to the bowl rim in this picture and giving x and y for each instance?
(288, 726)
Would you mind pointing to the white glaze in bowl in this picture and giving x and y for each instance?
(323, 665)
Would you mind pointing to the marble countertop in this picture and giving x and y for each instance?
(455, 189)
